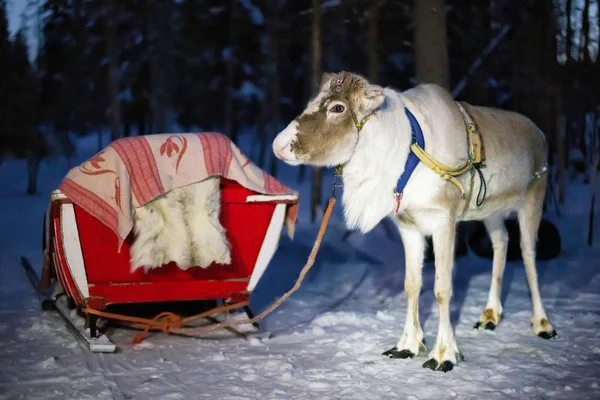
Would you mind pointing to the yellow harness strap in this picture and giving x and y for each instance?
(445, 172)
(476, 155)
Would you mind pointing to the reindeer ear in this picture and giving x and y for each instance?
(324, 78)
(372, 98)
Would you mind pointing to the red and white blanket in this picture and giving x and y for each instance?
(130, 172)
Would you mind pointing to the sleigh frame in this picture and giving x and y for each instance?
(82, 261)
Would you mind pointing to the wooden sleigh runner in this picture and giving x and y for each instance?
(84, 268)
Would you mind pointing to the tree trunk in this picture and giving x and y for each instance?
(585, 33)
(373, 76)
(230, 73)
(566, 92)
(431, 52)
(158, 32)
(99, 139)
(431, 63)
(561, 140)
(261, 129)
(373, 41)
(593, 179)
(33, 167)
(275, 84)
(316, 77)
(343, 12)
(127, 129)
(307, 92)
(113, 68)
(569, 33)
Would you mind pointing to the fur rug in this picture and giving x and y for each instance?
(183, 226)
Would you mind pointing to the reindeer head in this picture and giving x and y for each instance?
(327, 131)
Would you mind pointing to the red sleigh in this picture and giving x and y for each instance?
(81, 255)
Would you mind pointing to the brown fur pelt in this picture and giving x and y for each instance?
(181, 226)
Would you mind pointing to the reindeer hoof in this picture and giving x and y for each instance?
(433, 365)
(446, 366)
(489, 319)
(395, 353)
(547, 336)
(543, 328)
(490, 326)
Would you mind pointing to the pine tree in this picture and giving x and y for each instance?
(199, 52)
(56, 60)
(4, 35)
(135, 71)
(5, 50)
(24, 85)
(18, 97)
(29, 139)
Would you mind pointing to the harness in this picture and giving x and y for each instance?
(475, 161)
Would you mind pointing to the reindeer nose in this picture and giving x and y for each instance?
(282, 145)
(283, 152)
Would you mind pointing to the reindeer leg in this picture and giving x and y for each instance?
(490, 317)
(411, 341)
(529, 221)
(445, 353)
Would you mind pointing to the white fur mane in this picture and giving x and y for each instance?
(376, 165)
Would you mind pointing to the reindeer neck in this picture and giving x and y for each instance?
(378, 161)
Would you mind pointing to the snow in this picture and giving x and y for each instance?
(327, 339)
(216, 10)
(249, 90)
(226, 54)
(400, 60)
(256, 15)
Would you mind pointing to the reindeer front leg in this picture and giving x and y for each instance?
(445, 353)
(411, 341)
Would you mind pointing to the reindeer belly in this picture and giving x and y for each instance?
(504, 187)
(515, 158)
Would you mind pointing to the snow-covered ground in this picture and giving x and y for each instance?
(328, 338)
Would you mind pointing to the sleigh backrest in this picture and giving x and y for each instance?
(87, 259)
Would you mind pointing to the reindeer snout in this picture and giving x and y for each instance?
(283, 152)
(282, 145)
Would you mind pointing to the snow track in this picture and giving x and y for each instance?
(328, 338)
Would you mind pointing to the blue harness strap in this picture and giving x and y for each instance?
(412, 161)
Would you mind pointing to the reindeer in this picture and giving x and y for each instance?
(409, 156)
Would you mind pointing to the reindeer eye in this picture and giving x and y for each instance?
(338, 108)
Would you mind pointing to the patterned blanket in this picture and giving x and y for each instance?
(132, 171)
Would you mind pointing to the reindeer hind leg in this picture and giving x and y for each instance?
(529, 217)
(492, 314)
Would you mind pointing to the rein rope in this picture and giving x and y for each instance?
(168, 322)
